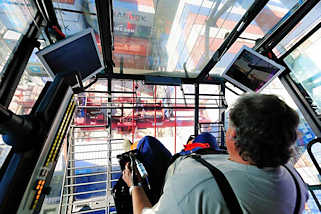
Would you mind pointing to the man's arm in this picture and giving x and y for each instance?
(139, 197)
(140, 200)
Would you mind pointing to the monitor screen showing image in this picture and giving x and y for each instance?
(251, 71)
(76, 53)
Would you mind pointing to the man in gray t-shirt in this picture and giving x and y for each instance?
(259, 141)
(190, 188)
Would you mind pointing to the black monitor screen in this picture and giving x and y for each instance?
(252, 71)
(77, 55)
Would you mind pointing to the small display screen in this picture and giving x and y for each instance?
(252, 71)
(79, 55)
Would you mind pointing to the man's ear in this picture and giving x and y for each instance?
(233, 132)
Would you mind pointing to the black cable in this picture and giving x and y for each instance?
(182, 89)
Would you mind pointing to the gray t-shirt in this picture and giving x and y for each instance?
(190, 188)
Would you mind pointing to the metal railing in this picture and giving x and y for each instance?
(217, 129)
(91, 171)
(91, 165)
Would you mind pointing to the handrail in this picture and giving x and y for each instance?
(309, 147)
(317, 166)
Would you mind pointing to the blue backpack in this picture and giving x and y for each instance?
(156, 159)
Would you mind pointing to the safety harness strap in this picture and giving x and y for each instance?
(298, 192)
(227, 191)
(225, 187)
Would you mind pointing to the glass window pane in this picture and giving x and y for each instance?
(74, 22)
(136, 117)
(178, 40)
(264, 23)
(301, 29)
(83, 6)
(29, 88)
(15, 17)
(272, 14)
(77, 20)
(4, 151)
(207, 28)
(133, 23)
(305, 64)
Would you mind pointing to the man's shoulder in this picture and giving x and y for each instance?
(191, 181)
(219, 161)
(215, 157)
(187, 173)
(187, 170)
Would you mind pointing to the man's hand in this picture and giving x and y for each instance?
(128, 175)
(140, 200)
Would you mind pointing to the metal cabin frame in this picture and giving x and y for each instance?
(16, 65)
